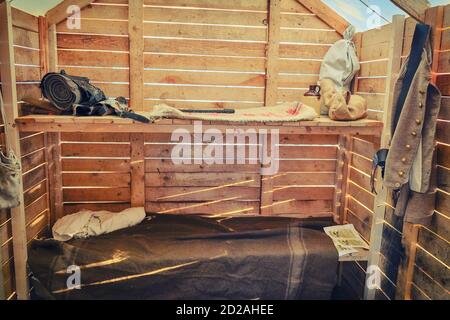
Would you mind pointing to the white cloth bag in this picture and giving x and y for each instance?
(340, 63)
(87, 223)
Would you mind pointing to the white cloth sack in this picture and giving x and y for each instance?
(340, 63)
(86, 223)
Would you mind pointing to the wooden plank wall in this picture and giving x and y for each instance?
(99, 49)
(430, 273)
(373, 52)
(28, 74)
(197, 54)
(431, 268)
(304, 40)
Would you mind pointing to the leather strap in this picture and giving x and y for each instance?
(419, 41)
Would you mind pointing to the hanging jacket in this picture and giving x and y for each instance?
(409, 164)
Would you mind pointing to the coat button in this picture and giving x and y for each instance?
(401, 173)
(420, 105)
(408, 146)
(403, 159)
(418, 121)
(414, 133)
(397, 185)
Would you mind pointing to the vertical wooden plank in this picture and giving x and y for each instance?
(272, 52)
(136, 38)
(266, 185)
(52, 49)
(435, 18)
(43, 45)
(342, 172)
(406, 268)
(137, 170)
(395, 50)
(57, 185)
(8, 77)
(358, 43)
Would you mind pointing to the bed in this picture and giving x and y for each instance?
(190, 257)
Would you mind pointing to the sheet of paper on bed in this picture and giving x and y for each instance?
(347, 241)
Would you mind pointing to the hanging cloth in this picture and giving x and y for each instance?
(9, 172)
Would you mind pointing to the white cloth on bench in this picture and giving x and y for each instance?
(87, 223)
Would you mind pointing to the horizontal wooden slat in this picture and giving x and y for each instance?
(185, 194)
(32, 160)
(25, 38)
(207, 208)
(203, 92)
(303, 51)
(311, 208)
(206, 78)
(374, 68)
(95, 150)
(301, 193)
(245, 49)
(96, 194)
(95, 137)
(201, 179)
(104, 179)
(33, 177)
(99, 59)
(24, 20)
(95, 206)
(32, 143)
(100, 27)
(231, 4)
(26, 56)
(428, 286)
(434, 245)
(183, 62)
(117, 165)
(204, 32)
(92, 42)
(170, 14)
(433, 267)
(310, 178)
(166, 165)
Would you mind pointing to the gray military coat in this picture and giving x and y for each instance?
(409, 165)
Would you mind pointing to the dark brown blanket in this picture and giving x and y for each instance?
(190, 257)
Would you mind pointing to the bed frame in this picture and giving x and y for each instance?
(325, 164)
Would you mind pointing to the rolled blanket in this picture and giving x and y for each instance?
(64, 90)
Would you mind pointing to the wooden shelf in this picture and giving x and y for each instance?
(46, 123)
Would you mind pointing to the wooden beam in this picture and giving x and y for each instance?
(43, 45)
(8, 77)
(394, 64)
(59, 13)
(136, 38)
(272, 53)
(435, 18)
(137, 170)
(325, 13)
(415, 8)
(52, 49)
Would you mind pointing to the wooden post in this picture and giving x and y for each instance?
(394, 64)
(272, 53)
(342, 172)
(136, 38)
(137, 170)
(8, 77)
(43, 45)
(52, 49)
(266, 184)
